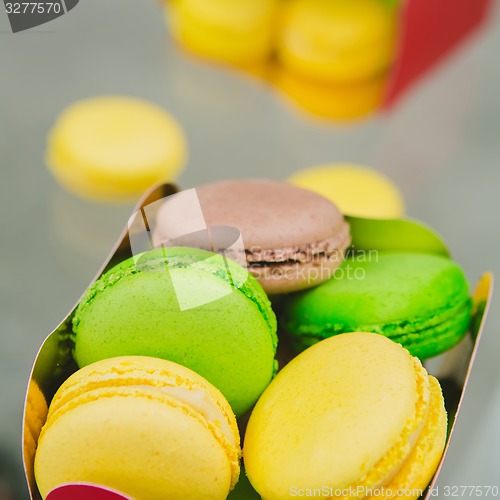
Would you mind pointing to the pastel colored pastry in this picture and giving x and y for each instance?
(337, 41)
(186, 305)
(357, 191)
(239, 32)
(113, 148)
(330, 101)
(144, 427)
(35, 413)
(352, 416)
(293, 238)
(418, 300)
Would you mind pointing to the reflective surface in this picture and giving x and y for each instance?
(441, 145)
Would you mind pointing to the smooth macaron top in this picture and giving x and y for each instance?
(420, 300)
(169, 403)
(226, 330)
(270, 214)
(346, 412)
(357, 190)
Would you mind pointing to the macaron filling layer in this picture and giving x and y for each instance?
(324, 249)
(194, 397)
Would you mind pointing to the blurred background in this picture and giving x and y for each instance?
(440, 144)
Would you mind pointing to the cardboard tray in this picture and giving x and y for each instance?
(54, 362)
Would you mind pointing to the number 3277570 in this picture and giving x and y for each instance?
(33, 8)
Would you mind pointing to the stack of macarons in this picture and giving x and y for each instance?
(175, 344)
(330, 56)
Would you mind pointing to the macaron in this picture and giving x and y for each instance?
(330, 101)
(239, 33)
(337, 41)
(189, 306)
(357, 190)
(421, 301)
(35, 414)
(143, 427)
(293, 238)
(354, 416)
(113, 148)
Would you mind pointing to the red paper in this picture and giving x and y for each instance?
(431, 28)
(83, 492)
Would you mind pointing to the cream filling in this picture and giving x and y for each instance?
(199, 401)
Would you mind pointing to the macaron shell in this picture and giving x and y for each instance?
(345, 405)
(270, 214)
(239, 33)
(293, 277)
(337, 40)
(170, 455)
(417, 471)
(419, 300)
(142, 426)
(357, 191)
(114, 148)
(231, 341)
(150, 374)
(35, 414)
(330, 101)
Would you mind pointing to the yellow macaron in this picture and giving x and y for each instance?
(35, 413)
(144, 427)
(341, 41)
(112, 148)
(349, 416)
(357, 190)
(238, 32)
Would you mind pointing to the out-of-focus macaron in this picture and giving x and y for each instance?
(293, 238)
(186, 305)
(35, 414)
(329, 101)
(352, 414)
(239, 33)
(113, 148)
(337, 41)
(144, 427)
(357, 190)
(421, 301)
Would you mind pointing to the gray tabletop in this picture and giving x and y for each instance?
(441, 145)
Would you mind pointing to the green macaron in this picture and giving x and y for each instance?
(185, 305)
(421, 301)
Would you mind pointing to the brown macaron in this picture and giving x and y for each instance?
(293, 238)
